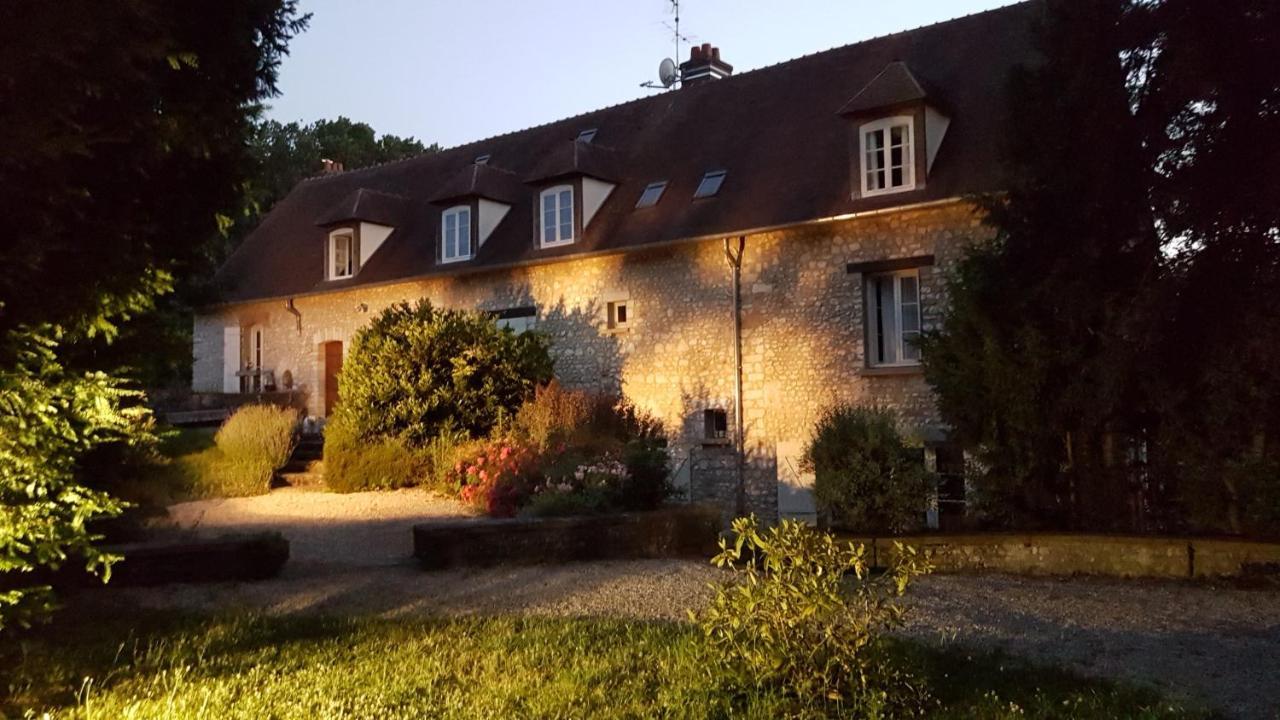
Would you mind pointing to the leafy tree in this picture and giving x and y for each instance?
(416, 373)
(1033, 362)
(286, 153)
(1206, 93)
(125, 127)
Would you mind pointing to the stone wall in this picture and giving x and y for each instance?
(1063, 554)
(803, 346)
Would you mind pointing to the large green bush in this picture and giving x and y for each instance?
(252, 445)
(805, 615)
(865, 477)
(416, 373)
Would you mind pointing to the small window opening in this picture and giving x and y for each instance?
(619, 317)
(517, 319)
(587, 135)
(716, 422)
(652, 194)
(710, 184)
(482, 159)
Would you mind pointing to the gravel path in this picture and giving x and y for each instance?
(1219, 646)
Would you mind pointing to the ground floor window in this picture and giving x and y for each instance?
(519, 319)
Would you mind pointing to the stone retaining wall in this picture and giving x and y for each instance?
(685, 531)
(1063, 554)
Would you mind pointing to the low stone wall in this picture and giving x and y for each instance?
(249, 557)
(683, 531)
(1064, 554)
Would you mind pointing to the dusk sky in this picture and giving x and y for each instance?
(454, 72)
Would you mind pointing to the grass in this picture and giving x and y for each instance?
(176, 666)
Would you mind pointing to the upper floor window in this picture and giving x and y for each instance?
(518, 319)
(343, 258)
(888, 158)
(710, 184)
(557, 215)
(893, 318)
(652, 194)
(455, 234)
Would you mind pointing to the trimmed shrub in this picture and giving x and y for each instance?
(248, 449)
(353, 465)
(805, 616)
(418, 373)
(261, 433)
(865, 477)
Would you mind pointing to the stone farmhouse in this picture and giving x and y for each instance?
(734, 255)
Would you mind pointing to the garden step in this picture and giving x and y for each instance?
(302, 479)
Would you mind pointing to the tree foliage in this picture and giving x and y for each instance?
(51, 417)
(124, 146)
(1115, 346)
(416, 373)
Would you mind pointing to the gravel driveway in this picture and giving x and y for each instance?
(1220, 646)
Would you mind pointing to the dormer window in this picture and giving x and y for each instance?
(888, 156)
(557, 215)
(344, 258)
(710, 184)
(455, 234)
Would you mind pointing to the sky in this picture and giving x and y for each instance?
(455, 72)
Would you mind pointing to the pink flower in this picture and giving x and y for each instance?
(471, 469)
(484, 475)
(506, 452)
(480, 460)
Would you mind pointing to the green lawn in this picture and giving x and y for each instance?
(170, 666)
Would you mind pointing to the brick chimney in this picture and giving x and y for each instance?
(330, 166)
(704, 64)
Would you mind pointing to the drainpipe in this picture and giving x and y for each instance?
(288, 305)
(734, 256)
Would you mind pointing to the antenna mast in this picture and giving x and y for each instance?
(669, 70)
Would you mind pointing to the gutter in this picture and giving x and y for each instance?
(739, 436)
(458, 272)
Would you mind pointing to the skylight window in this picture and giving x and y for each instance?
(587, 135)
(652, 194)
(710, 184)
(482, 159)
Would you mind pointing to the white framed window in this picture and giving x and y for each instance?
(557, 215)
(893, 318)
(619, 315)
(518, 320)
(455, 234)
(343, 262)
(652, 194)
(710, 184)
(888, 156)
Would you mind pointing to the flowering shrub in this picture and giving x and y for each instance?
(499, 478)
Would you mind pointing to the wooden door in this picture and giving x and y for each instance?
(332, 364)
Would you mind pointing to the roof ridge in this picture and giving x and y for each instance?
(646, 98)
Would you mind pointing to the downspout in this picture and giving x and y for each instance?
(288, 305)
(735, 270)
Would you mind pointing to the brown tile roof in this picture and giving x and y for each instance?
(777, 131)
(896, 84)
(368, 205)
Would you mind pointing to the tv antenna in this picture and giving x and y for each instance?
(668, 71)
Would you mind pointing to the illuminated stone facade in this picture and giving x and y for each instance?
(803, 333)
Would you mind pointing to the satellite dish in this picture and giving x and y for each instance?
(667, 72)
